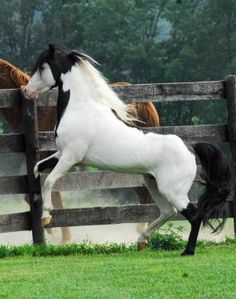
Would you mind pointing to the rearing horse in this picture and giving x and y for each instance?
(89, 132)
(12, 77)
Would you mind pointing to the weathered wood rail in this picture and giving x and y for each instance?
(32, 142)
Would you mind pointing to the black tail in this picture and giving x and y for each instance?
(216, 177)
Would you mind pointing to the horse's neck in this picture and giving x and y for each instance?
(73, 91)
(78, 85)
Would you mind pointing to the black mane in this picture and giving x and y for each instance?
(60, 59)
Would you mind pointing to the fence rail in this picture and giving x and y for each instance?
(90, 216)
(213, 133)
(32, 142)
(155, 92)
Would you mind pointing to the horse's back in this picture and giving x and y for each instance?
(170, 153)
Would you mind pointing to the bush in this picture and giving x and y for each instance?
(168, 240)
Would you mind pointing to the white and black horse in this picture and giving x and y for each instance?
(94, 129)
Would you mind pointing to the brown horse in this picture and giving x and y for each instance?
(146, 112)
(13, 77)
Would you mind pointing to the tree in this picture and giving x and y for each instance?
(17, 35)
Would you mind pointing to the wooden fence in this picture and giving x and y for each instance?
(32, 142)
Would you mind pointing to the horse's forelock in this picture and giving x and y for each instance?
(55, 56)
(43, 57)
(59, 55)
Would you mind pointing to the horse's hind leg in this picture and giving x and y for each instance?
(167, 211)
(191, 214)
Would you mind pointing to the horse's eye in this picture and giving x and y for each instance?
(41, 68)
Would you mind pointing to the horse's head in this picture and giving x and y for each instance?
(11, 76)
(49, 67)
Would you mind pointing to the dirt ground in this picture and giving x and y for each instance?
(121, 233)
(124, 233)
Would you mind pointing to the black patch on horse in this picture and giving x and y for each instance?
(62, 102)
(57, 57)
(191, 214)
(60, 59)
(50, 163)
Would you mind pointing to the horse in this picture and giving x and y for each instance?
(89, 132)
(12, 77)
(146, 112)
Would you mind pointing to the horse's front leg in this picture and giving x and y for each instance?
(63, 165)
(46, 163)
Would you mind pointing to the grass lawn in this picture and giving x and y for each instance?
(148, 274)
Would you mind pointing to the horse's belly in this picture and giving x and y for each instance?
(119, 154)
(118, 165)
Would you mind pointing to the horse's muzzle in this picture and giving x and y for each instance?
(29, 94)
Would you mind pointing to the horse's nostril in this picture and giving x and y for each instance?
(25, 92)
(23, 89)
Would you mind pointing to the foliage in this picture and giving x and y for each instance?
(168, 239)
(72, 249)
(135, 40)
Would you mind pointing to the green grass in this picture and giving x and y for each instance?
(148, 274)
(71, 249)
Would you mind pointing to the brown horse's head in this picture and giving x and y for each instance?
(11, 76)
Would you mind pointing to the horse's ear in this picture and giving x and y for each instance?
(77, 56)
(51, 49)
(74, 56)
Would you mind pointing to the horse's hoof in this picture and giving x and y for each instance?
(142, 245)
(46, 221)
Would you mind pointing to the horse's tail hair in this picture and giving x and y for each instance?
(216, 177)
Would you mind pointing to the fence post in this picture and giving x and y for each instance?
(230, 94)
(29, 109)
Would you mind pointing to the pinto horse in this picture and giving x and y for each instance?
(89, 132)
(13, 77)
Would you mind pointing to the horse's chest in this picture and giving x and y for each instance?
(74, 127)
